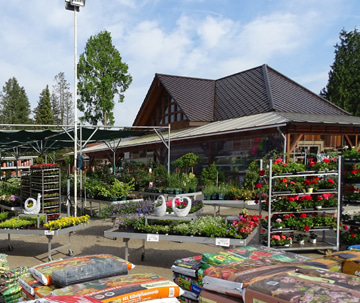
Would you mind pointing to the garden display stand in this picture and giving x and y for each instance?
(49, 235)
(126, 236)
(322, 243)
(44, 179)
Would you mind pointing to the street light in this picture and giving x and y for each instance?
(74, 5)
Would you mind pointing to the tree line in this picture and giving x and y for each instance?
(55, 107)
(102, 80)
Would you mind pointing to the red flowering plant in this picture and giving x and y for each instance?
(312, 181)
(305, 222)
(290, 221)
(324, 164)
(329, 200)
(306, 202)
(351, 236)
(327, 183)
(282, 184)
(352, 175)
(246, 223)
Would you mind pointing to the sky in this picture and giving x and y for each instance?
(207, 39)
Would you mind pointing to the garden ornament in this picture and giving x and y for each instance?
(181, 212)
(160, 211)
(35, 208)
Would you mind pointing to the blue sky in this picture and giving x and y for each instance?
(196, 38)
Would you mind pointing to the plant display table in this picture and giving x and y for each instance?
(126, 236)
(16, 209)
(49, 235)
(229, 203)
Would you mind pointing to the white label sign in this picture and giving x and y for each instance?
(49, 232)
(222, 242)
(152, 238)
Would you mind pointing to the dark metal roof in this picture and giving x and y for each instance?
(254, 91)
(289, 96)
(194, 96)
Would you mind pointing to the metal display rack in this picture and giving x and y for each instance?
(324, 242)
(45, 181)
(49, 235)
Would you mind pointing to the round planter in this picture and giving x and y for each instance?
(301, 242)
(313, 241)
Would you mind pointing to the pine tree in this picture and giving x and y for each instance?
(14, 104)
(44, 113)
(61, 101)
(343, 88)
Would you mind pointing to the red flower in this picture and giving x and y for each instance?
(331, 180)
(258, 185)
(345, 227)
(306, 228)
(262, 172)
(326, 160)
(352, 235)
(262, 231)
(303, 215)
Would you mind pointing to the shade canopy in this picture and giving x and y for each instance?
(47, 140)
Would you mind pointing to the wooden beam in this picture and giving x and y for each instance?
(348, 140)
(294, 144)
(288, 138)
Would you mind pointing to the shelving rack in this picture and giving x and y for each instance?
(322, 244)
(46, 181)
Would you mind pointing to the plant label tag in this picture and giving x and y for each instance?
(251, 202)
(49, 232)
(222, 242)
(152, 238)
(242, 242)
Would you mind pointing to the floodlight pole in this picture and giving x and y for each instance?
(75, 114)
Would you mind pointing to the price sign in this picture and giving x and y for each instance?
(152, 238)
(222, 242)
(49, 232)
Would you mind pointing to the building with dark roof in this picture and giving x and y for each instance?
(236, 119)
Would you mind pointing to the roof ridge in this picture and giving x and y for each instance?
(267, 86)
(183, 77)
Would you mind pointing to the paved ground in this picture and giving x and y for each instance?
(159, 256)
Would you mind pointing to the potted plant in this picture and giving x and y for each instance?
(312, 237)
(301, 238)
(277, 223)
(318, 202)
(209, 191)
(279, 240)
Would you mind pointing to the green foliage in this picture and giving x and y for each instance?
(102, 75)
(344, 79)
(186, 162)
(43, 112)
(14, 104)
(209, 175)
(252, 175)
(10, 187)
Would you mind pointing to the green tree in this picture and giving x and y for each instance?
(61, 101)
(14, 104)
(102, 75)
(343, 88)
(43, 112)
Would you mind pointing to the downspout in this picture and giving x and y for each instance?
(281, 133)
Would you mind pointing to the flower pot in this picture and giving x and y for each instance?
(318, 206)
(310, 190)
(301, 242)
(313, 241)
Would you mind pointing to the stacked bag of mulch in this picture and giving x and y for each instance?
(261, 274)
(199, 276)
(101, 277)
(9, 284)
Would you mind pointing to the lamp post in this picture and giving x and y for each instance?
(74, 5)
